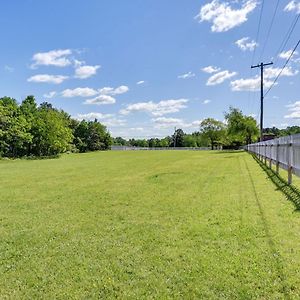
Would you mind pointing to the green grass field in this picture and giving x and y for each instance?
(177, 224)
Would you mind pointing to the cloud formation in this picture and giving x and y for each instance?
(164, 123)
(220, 77)
(253, 84)
(49, 95)
(223, 16)
(206, 101)
(100, 100)
(92, 116)
(45, 78)
(211, 69)
(104, 95)
(83, 72)
(293, 6)
(287, 54)
(156, 109)
(246, 44)
(106, 119)
(57, 58)
(294, 110)
(186, 76)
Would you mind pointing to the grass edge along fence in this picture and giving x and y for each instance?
(283, 152)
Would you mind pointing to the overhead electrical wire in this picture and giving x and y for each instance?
(287, 61)
(269, 30)
(287, 36)
(258, 31)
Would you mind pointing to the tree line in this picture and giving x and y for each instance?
(29, 129)
(32, 130)
(237, 130)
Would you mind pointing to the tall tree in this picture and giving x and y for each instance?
(178, 138)
(13, 128)
(241, 128)
(213, 130)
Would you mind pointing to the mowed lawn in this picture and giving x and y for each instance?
(142, 225)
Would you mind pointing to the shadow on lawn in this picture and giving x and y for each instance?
(291, 192)
(229, 151)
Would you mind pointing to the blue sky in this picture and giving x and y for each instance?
(143, 67)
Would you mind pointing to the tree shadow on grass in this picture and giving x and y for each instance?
(229, 151)
(291, 192)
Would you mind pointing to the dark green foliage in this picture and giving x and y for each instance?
(91, 136)
(29, 130)
(241, 129)
(213, 130)
(178, 138)
(282, 132)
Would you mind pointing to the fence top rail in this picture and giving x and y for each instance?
(292, 140)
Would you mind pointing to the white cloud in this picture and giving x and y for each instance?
(58, 58)
(138, 129)
(105, 119)
(45, 78)
(78, 63)
(79, 92)
(187, 75)
(49, 95)
(92, 116)
(140, 82)
(248, 84)
(114, 122)
(270, 73)
(294, 110)
(293, 6)
(100, 100)
(111, 91)
(156, 109)
(287, 54)
(163, 123)
(245, 44)
(210, 69)
(223, 16)
(103, 96)
(83, 72)
(253, 84)
(220, 77)
(206, 101)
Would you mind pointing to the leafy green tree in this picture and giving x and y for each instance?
(51, 131)
(241, 129)
(13, 128)
(178, 138)
(91, 136)
(189, 141)
(213, 130)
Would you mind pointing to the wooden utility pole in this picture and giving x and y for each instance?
(261, 66)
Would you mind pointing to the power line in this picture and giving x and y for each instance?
(269, 30)
(277, 77)
(258, 30)
(288, 36)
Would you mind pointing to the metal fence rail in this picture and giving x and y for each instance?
(128, 148)
(283, 152)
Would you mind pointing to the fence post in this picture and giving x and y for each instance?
(270, 158)
(289, 151)
(277, 157)
(265, 153)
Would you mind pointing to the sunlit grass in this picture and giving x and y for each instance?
(174, 224)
